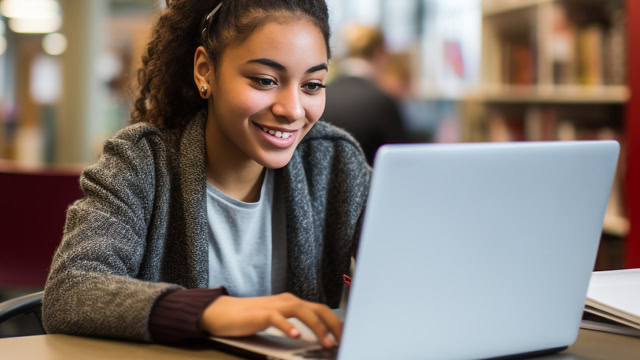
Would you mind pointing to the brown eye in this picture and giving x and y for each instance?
(314, 87)
(264, 82)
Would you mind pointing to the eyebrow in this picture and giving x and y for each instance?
(279, 67)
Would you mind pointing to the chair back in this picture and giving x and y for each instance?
(33, 203)
(22, 316)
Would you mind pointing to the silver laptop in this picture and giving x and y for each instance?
(470, 251)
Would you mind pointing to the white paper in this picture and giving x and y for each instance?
(619, 289)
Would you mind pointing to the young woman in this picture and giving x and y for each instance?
(227, 207)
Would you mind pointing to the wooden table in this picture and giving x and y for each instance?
(591, 345)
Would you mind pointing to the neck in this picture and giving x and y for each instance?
(229, 169)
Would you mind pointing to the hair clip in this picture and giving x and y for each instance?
(211, 14)
(346, 279)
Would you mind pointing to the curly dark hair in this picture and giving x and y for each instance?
(168, 96)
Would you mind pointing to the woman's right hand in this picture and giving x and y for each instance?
(232, 316)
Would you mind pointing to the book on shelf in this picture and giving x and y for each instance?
(613, 302)
(540, 124)
(615, 45)
(561, 45)
(503, 127)
(590, 64)
(518, 62)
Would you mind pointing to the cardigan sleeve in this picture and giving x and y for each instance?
(91, 289)
(175, 317)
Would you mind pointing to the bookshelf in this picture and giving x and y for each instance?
(557, 70)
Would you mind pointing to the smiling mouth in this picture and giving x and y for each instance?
(277, 133)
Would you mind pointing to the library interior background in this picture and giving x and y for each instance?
(459, 70)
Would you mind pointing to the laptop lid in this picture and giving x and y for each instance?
(477, 250)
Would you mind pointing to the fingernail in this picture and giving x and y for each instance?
(294, 333)
(328, 341)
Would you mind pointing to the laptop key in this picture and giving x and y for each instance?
(330, 353)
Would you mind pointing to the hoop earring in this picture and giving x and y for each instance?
(204, 90)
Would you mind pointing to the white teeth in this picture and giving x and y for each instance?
(278, 134)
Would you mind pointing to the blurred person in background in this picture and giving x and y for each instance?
(227, 207)
(396, 79)
(355, 101)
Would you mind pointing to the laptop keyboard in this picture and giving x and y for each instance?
(330, 353)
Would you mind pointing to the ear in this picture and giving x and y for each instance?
(203, 72)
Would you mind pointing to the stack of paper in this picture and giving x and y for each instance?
(614, 296)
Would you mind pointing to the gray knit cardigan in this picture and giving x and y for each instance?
(141, 229)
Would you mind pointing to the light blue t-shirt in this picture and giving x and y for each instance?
(247, 241)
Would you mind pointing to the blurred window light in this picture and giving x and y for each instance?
(109, 66)
(32, 16)
(45, 81)
(35, 26)
(54, 44)
(29, 8)
(3, 45)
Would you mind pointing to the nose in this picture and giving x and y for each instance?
(288, 105)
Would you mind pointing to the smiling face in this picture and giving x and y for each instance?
(268, 92)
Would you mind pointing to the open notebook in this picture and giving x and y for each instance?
(613, 302)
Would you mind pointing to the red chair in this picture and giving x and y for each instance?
(33, 203)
